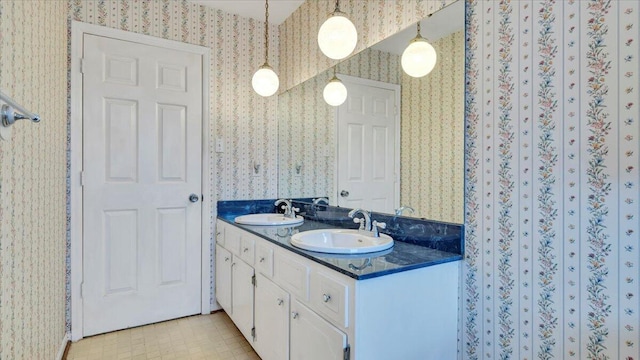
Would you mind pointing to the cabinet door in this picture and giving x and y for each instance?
(223, 278)
(242, 296)
(272, 320)
(313, 338)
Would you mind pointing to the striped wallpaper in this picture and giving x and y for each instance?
(33, 71)
(552, 199)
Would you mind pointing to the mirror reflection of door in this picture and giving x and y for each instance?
(368, 145)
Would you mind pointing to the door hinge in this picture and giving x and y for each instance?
(82, 178)
(253, 280)
(82, 65)
(347, 352)
(253, 333)
(82, 290)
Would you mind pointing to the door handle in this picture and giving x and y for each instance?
(344, 193)
(194, 198)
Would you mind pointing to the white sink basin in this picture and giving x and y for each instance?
(268, 219)
(340, 241)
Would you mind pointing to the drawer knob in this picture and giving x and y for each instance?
(245, 249)
(262, 259)
(280, 302)
(294, 315)
(326, 297)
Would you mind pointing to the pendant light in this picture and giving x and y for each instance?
(337, 36)
(419, 58)
(265, 81)
(335, 93)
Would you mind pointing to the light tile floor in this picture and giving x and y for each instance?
(212, 337)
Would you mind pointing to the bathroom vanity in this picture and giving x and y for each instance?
(295, 304)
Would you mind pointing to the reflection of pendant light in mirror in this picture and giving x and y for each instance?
(335, 93)
(265, 81)
(419, 58)
(337, 36)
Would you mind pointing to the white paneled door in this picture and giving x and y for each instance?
(368, 146)
(142, 161)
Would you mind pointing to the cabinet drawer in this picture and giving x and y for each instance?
(264, 259)
(292, 275)
(232, 238)
(247, 248)
(330, 297)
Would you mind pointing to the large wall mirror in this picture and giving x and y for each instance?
(426, 155)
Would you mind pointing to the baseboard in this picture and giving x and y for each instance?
(63, 347)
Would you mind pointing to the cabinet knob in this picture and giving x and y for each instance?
(262, 259)
(294, 315)
(280, 302)
(245, 249)
(226, 259)
(326, 297)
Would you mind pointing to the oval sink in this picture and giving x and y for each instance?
(340, 241)
(268, 219)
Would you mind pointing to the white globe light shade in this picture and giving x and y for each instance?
(419, 58)
(265, 81)
(337, 36)
(335, 93)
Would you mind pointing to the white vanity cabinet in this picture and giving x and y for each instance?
(223, 278)
(234, 280)
(313, 338)
(272, 306)
(296, 308)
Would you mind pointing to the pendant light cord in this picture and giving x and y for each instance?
(266, 31)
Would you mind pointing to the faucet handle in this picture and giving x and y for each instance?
(293, 211)
(360, 221)
(377, 226)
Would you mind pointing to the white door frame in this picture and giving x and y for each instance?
(374, 83)
(78, 29)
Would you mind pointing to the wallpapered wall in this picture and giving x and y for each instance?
(432, 132)
(243, 120)
(374, 19)
(552, 197)
(33, 63)
(307, 127)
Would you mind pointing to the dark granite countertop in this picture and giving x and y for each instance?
(402, 256)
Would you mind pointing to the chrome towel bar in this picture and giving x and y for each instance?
(12, 112)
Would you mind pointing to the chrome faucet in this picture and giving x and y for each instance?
(365, 221)
(289, 210)
(403, 208)
(319, 200)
